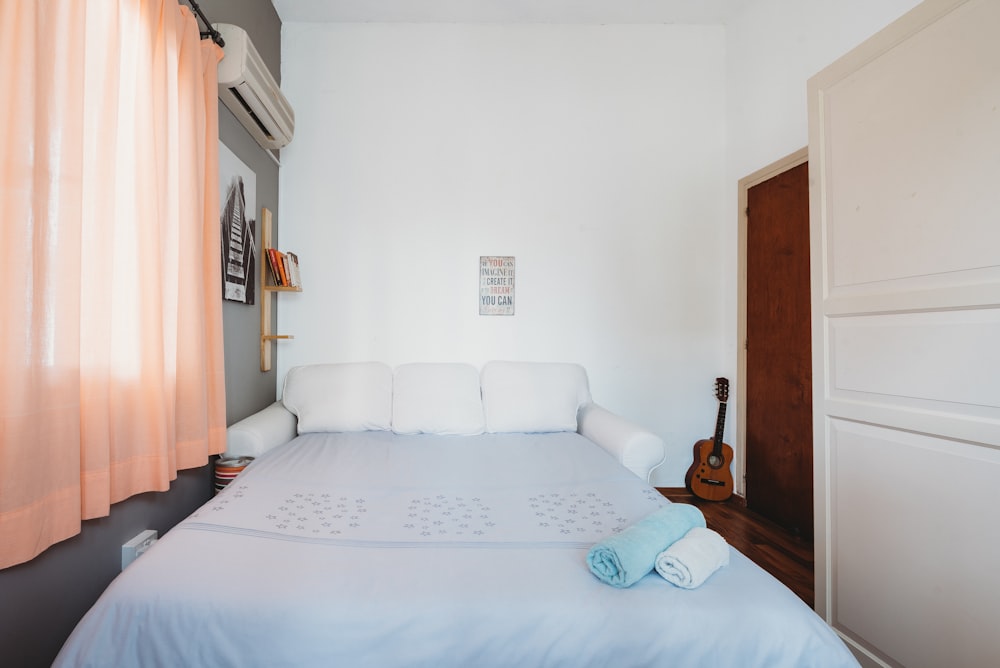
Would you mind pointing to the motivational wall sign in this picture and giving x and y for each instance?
(496, 285)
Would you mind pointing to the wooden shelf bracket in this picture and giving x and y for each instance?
(267, 295)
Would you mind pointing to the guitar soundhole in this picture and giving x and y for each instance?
(715, 461)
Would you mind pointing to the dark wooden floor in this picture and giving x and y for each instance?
(787, 557)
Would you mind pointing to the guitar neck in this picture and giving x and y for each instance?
(720, 424)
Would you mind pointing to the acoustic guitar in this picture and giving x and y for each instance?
(709, 477)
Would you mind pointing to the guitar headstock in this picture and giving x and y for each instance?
(722, 389)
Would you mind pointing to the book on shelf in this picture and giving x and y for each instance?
(272, 265)
(283, 268)
(293, 269)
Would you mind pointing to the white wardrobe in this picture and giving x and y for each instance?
(904, 152)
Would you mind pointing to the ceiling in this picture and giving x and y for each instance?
(508, 11)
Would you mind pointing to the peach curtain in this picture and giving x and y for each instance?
(110, 283)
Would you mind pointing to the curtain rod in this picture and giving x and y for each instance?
(211, 32)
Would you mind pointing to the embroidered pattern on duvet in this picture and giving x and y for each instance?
(568, 514)
(572, 515)
(576, 513)
(318, 513)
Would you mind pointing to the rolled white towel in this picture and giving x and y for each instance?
(694, 558)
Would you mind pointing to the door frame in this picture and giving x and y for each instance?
(745, 184)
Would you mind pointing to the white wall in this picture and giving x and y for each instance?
(774, 46)
(593, 154)
(604, 158)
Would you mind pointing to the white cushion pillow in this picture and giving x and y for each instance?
(353, 396)
(533, 396)
(437, 399)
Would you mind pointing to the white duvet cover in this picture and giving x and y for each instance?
(372, 549)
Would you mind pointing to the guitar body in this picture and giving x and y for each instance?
(710, 477)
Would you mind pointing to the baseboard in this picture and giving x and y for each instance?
(684, 491)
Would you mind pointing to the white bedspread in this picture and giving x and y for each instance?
(370, 549)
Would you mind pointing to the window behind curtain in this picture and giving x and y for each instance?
(110, 312)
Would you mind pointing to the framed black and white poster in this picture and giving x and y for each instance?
(238, 199)
(496, 285)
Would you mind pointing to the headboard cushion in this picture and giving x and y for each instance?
(352, 396)
(437, 399)
(533, 396)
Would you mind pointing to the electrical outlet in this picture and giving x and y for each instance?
(133, 549)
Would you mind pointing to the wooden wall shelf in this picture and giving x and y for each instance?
(267, 295)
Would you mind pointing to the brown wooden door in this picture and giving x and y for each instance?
(779, 472)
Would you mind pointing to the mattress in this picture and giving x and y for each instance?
(373, 549)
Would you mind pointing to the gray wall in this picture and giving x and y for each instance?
(42, 600)
(247, 388)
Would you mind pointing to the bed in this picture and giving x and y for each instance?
(370, 547)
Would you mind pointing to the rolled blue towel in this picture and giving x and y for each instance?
(623, 559)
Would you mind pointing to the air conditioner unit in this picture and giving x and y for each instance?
(251, 93)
